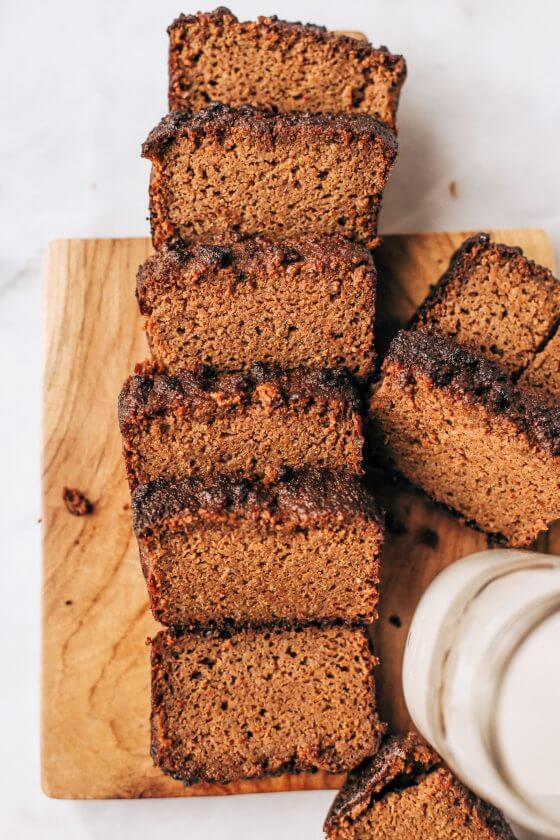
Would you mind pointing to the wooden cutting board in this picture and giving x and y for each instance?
(95, 704)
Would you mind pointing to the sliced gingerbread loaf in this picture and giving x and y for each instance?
(214, 57)
(245, 425)
(253, 170)
(309, 302)
(220, 552)
(406, 792)
(494, 301)
(454, 424)
(262, 702)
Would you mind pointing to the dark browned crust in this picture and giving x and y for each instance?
(398, 764)
(170, 633)
(278, 26)
(228, 629)
(464, 258)
(151, 393)
(217, 120)
(301, 497)
(190, 265)
(476, 380)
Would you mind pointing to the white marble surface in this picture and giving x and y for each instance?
(82, 83)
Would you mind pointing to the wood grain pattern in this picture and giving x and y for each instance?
(95, 710)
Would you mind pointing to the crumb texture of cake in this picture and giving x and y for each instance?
(253, 170)
(455, 425)
(542, 374)
(306, 302)
(262, 702)
(405, 792)
(496, 302)
(245, 425)
(219, 552)
(214, 57)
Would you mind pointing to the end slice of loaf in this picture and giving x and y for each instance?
(262, 702)
(307, 302)
(214, 57)
(245, 425)
(455, 425)
(253, 170)
(405, 791)
(220, 552)
(496, 302)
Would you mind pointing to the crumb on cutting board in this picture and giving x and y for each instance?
(76, 502)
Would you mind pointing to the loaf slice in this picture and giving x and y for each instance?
(494, 301)
(255, 171)
(213, 57)
(455, 425)
(219, 552)
(405, 792)
(306, 302)
(262, 702)
(244, 425)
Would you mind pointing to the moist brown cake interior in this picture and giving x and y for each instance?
(494, 301)
(456, 426)
(256, 171)
(262, 702)
(295, 67)
(542, 374)
(405, 791)
(244, 425)
(309, 302)
(217, 552)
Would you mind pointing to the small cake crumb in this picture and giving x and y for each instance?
(395, 621)
(76, 502)
(453, 189)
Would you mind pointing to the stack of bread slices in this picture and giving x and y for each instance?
(242, 435)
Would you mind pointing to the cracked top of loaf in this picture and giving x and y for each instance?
(245, 256)
(251, 121)
(310, 495)
(274, 24)
(151, 391)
